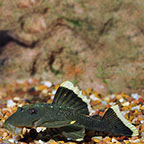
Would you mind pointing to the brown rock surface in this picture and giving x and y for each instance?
(97, 44)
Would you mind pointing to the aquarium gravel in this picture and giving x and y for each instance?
(32, 91)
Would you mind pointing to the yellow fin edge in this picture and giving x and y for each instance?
(125, 121)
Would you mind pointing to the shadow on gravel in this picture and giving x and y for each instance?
(6, 38)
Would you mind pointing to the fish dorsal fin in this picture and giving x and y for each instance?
(70, 96)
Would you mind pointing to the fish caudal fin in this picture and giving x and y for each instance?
(117, 124)
(69, 96)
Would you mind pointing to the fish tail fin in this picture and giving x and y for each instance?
(116, 124)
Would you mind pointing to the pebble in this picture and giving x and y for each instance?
(11, 103)
(112, 96)
(7, 142)
(1, 115)
(128, 103)
(52, 97)
(107, 99)
(92, 111)
(38, 129)
(16, 98)
(107, 139)
(125, 104)
(112, 103)
(94, 98)
(53, 92)
(142, 121)
(142, 108)
(104, 102)
(135, 108)
(11, 140)
(47, 83)
(124, 112)
(30, 81)
(39, 142)
(20, 81)
(121, 100)
(142, 134)
(135, 141)
(97, 138)
(45, 91)
(115, 141)
(135, 96)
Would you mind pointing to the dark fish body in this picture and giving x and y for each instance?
(53, 116)
(70, 112)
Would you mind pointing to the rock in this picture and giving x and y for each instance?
(11, 103)
(47, 83)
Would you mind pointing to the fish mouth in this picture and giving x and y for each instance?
(13, 129)
(21, 131)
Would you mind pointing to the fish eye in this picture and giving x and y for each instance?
(32, 111)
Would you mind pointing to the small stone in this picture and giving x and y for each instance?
(39, 142)
(53, 92)
(115, 141)
(97, 138)
(92, 111)
(135, 141)
(47, 83)
(52, 97)
(7, 141)
(30, 81)
(94, 98)
(112, 96)
(135, 108)
(112, 103)
(124, 112)
(10, 103)
(20, 81)
(38, 129)
(41, 87)
(16, 98)
(142, 108)
(107, 139)
(51, 141)
(119, 96)
(45, 91)
(121, 100)
(141, 100)
(107, 99)
(135, 96)
(142, 121)
(142, 134)
(104, 102)
(126, 104)
(126, 141)
(61, 142)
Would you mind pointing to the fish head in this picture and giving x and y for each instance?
(26, 116)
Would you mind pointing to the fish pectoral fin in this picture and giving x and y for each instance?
(55, 124)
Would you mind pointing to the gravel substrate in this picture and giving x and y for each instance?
(34, 91)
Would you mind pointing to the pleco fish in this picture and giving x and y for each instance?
(69, 111)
